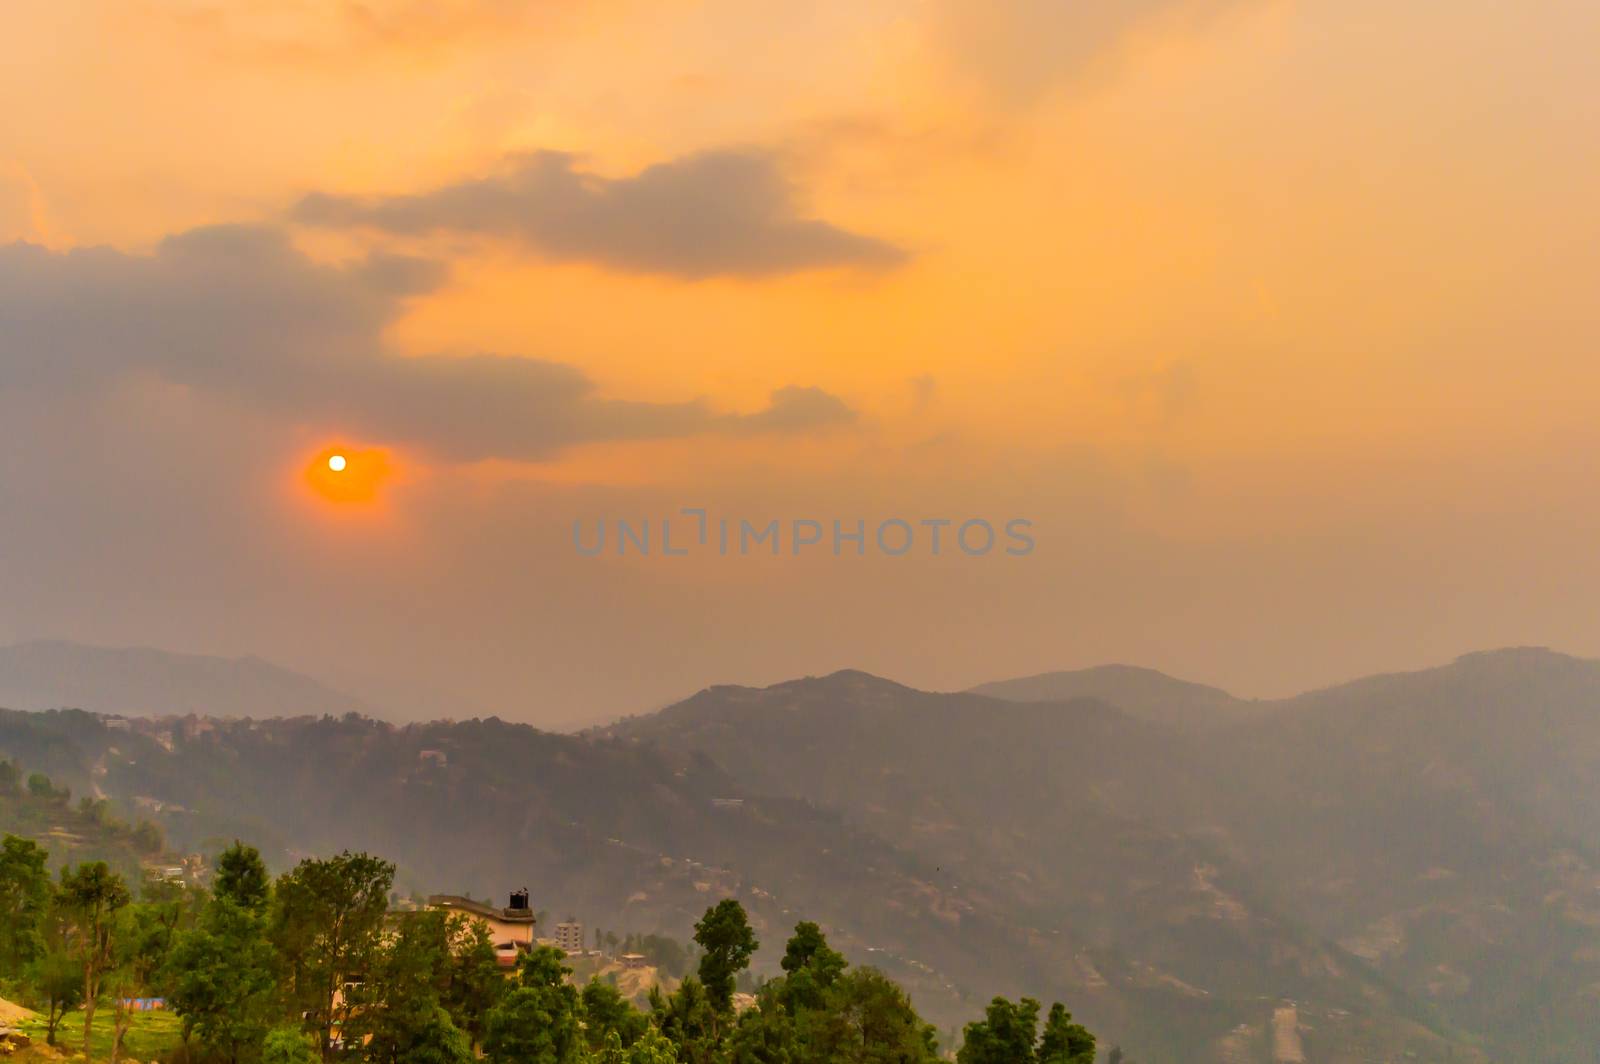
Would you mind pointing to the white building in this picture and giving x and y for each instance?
(569, 936)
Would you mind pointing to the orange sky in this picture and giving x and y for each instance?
(1275, 316)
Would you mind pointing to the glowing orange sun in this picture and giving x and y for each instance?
(342, 474)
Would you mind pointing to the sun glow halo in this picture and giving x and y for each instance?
(348, 476)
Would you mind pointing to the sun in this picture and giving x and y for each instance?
(348, 476)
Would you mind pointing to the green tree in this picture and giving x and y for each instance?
(811, 965)
(223, 979)
(97, 810)
(148, 838)
(24, 902)
(39, 786)
(327, 923)
(689, 1021)
(652, 1048)
(288, 1045)
(1008, 1031)
(438, 1041)
(475, 984)
(242, 877)
(1063, 1041)
(665, 953)
(398, 1013)
(544, 966)
(538, 1022)
(144, 939)
(768, 1033)
(724, 934)
(808, 948)
(610, 1050)
(166, 909)
(1005, 1035)
(57, 979)
(866, 1019)
(91, 896)
(121, 985)
(606, 1013)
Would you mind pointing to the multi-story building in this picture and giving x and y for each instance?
(569, 936)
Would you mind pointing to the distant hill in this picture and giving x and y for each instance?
(138, 681)
(1143, 693)
(1422, 840)
(1066, 814)
(1442, 825)
(1410, 860)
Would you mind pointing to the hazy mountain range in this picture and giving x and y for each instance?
(1142, 693)
(1409, 859)
(142, 682)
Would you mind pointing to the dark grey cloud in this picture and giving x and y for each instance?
(718, 213)
(238, 312)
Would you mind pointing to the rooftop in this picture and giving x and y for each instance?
(482, 909)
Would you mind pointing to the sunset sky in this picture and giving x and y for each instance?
(1277, 318)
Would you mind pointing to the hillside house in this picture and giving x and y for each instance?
(511, 929)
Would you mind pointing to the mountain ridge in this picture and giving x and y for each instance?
(1142, 692)
(1429, 827)
(145, 681)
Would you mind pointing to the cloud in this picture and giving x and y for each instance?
(794, 409)
(343, 33)
(1021, 49)
(718, 213)
(238, 312)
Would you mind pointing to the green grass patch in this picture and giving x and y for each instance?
(150, 1036)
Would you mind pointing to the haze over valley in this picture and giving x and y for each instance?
(1402, 858)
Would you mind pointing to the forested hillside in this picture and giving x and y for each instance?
(1395, 865)
(625, 837)
(1405, 853)
(75, 830)
(318, 963)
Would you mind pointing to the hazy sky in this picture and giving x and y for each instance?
(1276, 318)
